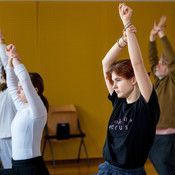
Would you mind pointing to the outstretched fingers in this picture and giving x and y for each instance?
(162, 21)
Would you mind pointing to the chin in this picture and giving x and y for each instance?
(119, 96)
(157, 73)
(158, 76)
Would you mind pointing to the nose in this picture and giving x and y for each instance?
(114, 86)
(158, 65)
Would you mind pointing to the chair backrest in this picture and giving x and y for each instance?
(62, 114)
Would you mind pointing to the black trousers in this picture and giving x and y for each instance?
(34, 166)
(162, 154)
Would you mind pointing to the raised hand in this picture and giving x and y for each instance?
(10, 52)
(160, 27)
(155, 30)
(132, 29)
(125, 13)
(10, 49)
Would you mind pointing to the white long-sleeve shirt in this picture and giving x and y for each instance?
(3, 59)
(7, 113)
(28, 124)
(7, 108)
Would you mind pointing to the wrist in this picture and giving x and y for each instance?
(152, 37)
(126, 22)
(124, 39)
(121, 42)
(127, 25)
(161, 34)
(10, 63)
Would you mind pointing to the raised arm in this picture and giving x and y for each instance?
(167, 49)
(140, 72)
(0, 71)
(12, 80)
(110, 59)
(35, 103)
(1, 54)
(158, 29)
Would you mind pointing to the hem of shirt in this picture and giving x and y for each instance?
(169, 124)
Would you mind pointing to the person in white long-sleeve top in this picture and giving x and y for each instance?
(7, 110)
(30, 119)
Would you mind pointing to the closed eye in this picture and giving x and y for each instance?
(118, 79)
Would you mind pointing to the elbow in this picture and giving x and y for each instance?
(105, 66)
(103, 62)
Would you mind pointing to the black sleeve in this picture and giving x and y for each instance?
(154, 105)
(113, 98)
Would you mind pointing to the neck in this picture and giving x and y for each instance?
(134, 95)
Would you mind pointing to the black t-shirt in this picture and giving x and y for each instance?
(131, 131)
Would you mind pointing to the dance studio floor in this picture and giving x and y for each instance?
(73, 168)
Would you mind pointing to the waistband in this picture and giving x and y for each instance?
(25, 162)
(122, 170)
(165, 135)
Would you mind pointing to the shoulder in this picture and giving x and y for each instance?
(40, 114)
(153, 98)
(151, 108)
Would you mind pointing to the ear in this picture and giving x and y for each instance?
(134, 81)
(36, 89)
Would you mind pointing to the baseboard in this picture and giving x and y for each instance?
(72, 161)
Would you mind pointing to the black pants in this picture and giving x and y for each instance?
(34, 166)
(162, 154)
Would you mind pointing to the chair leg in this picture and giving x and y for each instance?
(51, 150)
(81, 142)
(45, 140)
(86, 153)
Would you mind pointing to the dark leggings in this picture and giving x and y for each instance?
(33, 166)
(162, 154)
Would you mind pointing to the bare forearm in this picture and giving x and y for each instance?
(134, 49)
(113, 54)
(152, 38)
(161, 34)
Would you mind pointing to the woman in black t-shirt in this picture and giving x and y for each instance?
(131, 127)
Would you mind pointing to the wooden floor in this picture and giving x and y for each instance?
(73, 168)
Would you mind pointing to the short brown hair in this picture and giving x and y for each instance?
(122, 68)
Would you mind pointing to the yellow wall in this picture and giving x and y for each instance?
(65, 42)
